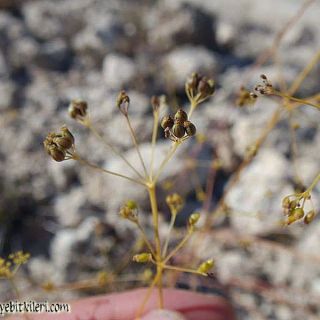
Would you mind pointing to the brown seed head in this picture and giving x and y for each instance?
(178, 130)
(190, 128)
(167, 122)
(78, 109)
(180, 117)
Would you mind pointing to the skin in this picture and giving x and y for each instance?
(123, 306)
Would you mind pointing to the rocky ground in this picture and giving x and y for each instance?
(55, 51)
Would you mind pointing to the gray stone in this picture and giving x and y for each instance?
(168, 28)
(54, 55)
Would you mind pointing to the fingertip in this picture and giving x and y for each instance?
(163, 314)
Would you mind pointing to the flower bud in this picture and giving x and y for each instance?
(128, 213)
(193, 219)
(298, 213)
(142, 257)
(175, 202)
(309, 217)
(206, 266)
(131, 204)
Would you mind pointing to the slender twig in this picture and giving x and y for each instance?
(110, 146)
(172, 221)
(93, 166)
(154, 137)
(145, 238)
(178, 246)
(184, 270)
(167, 159)
(136, 144)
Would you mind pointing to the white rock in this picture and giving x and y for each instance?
(181, 62)
(64, 243)
(70, 208)
(118, 70)
(256, 199)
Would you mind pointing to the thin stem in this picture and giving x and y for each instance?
(302, 101)
(183, 270)
(91, 165)
(314, 183)
(154, 137)
(155, 218)
(178, 246)
(167, 159)
(309, 67)
(14, 288)
(136, 144)
(193, 106)
(110, 146)
(145, 238)
(147, 296)
(172, 221)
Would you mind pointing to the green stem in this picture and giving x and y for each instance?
(155, 218)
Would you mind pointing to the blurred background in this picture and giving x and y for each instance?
(66, 215)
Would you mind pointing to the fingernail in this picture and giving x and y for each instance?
(163, 314)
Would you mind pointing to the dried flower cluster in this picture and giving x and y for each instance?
(178, 127)
(60, 145)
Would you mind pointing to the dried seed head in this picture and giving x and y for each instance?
(123, 102)
(78, 109)
(56, 153)
(167, 122)
(190, 128)
(309, 217)
(245, 97)
(142, 257)
(191, 84)
(266, 86)
(57, 145)
(155, 102)
(206, 266)
(175, 202)
(180, 117)
(206, 87)
(178, 130)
